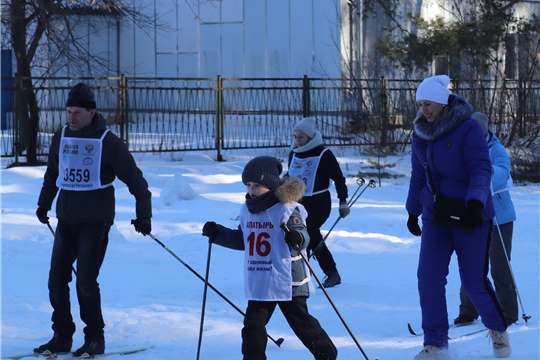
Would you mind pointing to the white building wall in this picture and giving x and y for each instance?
(235, 38)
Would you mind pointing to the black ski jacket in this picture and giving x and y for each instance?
(85, 206)
(328, 170)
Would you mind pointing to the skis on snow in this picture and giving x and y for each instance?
(414, 333)
(469, 334)
(118, 351)
(421, 333)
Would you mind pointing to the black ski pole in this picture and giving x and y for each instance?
(50, 228)
(351, 202)
(524, 315)
(286, 229)
(360, 182)
(278, 342)
(52, 231)
(204, 298)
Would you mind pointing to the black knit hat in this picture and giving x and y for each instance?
(81, 96)
(264, 170)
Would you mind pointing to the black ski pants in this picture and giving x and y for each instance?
(305, 326)
(318, 208)
(86, 243)
(501, 275)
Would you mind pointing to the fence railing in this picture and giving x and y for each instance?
(183, 114)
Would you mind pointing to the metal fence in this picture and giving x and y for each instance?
(174, 114)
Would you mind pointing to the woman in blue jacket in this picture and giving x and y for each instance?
(450, 159)
(505, 215)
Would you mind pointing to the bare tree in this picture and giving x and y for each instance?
(44, 38)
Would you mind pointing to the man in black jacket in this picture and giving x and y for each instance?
(84, 159)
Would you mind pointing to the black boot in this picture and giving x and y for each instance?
(332, 279)
(463, 320)
(57, 345)
(91, 347)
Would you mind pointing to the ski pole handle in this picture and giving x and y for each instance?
(360, 182)
(288, 231)
(370, 184)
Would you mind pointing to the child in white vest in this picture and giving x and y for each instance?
(274, 272)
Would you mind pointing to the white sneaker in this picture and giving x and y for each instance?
(501, 343)
(432, 353)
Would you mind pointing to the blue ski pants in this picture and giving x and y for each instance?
(437, 246)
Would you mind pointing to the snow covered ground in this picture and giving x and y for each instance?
(151, 298)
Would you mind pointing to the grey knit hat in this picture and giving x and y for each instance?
(482, 120)
(264, 170)
(81, 96)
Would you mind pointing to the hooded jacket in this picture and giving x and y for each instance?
(502, 201)
(290, 191)
(97, 205)
(458, 157)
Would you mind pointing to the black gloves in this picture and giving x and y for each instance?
(142, 225)
(210, 229)
(476, 218)
(412, 225)
(294, 239)
(344, 209)
(41, 214)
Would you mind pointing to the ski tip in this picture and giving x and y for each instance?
(411, 329)
(279, 342)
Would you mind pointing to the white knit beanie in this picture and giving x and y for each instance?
(434, 89)
(307, 126)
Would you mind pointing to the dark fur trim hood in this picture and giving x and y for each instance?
(459, 111)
